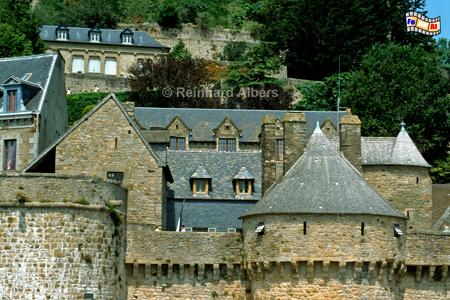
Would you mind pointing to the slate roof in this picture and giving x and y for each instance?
(443, 223)
(322, 182)
(108, 37)
(222, 166)
(204, 121)
(40, 67)
(201, 173)
(243, 174)
(391, 151)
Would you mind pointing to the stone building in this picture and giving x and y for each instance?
(98, 59)
(312, 225)
(33, 110)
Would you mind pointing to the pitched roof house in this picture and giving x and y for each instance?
(33, 110)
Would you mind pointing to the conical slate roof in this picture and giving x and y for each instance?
(405, 151)
(322, 182)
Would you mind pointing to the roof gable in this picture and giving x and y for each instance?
(110, 97)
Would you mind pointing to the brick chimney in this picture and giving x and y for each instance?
(350, 140)
(294, 124)
(272, 158)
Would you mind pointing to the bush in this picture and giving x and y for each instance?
(180, 51)
(191, 10)
(233, 51)
(168, 15)
(82, 201)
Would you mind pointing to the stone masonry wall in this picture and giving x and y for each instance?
(441, 199)
(81, 83)
(328, 238)
(184, 265)
(60, 251)
(407, 189)
(44, 188)
(428, 249)
(107, 142)
(26, 138)
(205, 44)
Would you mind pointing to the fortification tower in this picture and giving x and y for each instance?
(397, 170)
(322, 232)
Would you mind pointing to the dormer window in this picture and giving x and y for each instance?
(243, 182)
(11, 101)
(62, 33)
(95, 35)
(227, 145)
(177, 143)
(127, 36)
(200, 182)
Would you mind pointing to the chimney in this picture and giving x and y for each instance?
(129, 108)
(294, 124)
(350, 140)
(271, 157)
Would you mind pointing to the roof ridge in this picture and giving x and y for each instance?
(27, 56)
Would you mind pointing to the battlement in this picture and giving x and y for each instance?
(427, 249)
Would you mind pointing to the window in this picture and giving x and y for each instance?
(211, 229)
(177, 143)
(11, 101)
(362, 228)
(78, 64)
(127, 39)
(94, 65)
(9, 155)
(117, 176)
(95, 37)
(231, 230)
(304, 228)
(227, 145)
(200, 186)
(111, 66)
(62, 35)
(279, 148)
(244, 186)
(260, 229)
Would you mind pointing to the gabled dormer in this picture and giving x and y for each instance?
(16, 93)
(328, 128)
(95, 35)
(178, 134)
(62, 33)
(12, 95)
(126, 37)
(227, 136)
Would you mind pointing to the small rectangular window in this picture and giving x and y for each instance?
(227, 145)
(304, 228)
(362, 228)
(244, 186)
(201, 186)
(117, 176)
(212, 230)
(78, 64)
(62, 35)
(231, 230)
(177, 143)
(110, 66)
(279, 148)
(95, 37)
(11, 101)
(9, 155)
(94, 65)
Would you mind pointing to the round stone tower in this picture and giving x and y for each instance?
(322, 232)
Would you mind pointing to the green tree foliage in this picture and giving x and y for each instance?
(168, 15)
(234, 51)
(81, 103)
(83, 13)
(440, 173)
(402, 83)
(164, 80)
(253, 73)
(314, 33)
(443, 54)
(191, 10)
(323, 95)
(13, 43)
(180, 52)
(25, 28)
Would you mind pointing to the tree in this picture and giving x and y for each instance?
(170, 82)
(180, 52)
(18, 15)
(402, 83)
(168, 15)
(251, 84)
(314, 33)
(13, 43)
(318, 95)
(83, 13)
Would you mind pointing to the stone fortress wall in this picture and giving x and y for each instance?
(55, 248)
